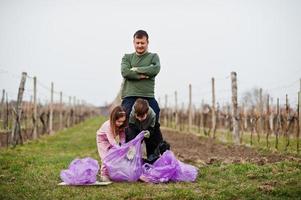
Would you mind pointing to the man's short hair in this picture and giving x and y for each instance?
(141, 107)
(140, 34)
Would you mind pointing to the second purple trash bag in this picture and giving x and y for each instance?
(80, 172)
(124, 163)
(168, 168)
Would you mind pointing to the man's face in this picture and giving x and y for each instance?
(141, 45)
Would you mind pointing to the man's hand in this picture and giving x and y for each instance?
(142, 76)
(134, 69)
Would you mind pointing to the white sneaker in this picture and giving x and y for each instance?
(105, 179)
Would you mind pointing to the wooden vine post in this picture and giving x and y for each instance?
(235, 117)
(16, 131)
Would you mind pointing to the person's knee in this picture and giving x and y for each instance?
(154, 105)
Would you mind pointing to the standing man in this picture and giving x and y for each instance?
(139, 70)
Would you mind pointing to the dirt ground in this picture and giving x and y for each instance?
(204, 151)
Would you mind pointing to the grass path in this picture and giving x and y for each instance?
(32, 171)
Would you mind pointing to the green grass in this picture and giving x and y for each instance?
(32, 171)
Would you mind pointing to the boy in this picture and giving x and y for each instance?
(142, 118)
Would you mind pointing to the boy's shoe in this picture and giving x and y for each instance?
(160, 149)
(151, 158)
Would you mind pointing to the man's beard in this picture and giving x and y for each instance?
(141, 52)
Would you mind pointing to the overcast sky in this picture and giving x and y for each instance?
(78, 44)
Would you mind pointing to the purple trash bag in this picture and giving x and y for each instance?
(124, 163)
(81, 172)
(168, 168)
(161, 170)
(185, 172)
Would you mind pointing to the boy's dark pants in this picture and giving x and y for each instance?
(128, 102)
(151, 143)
